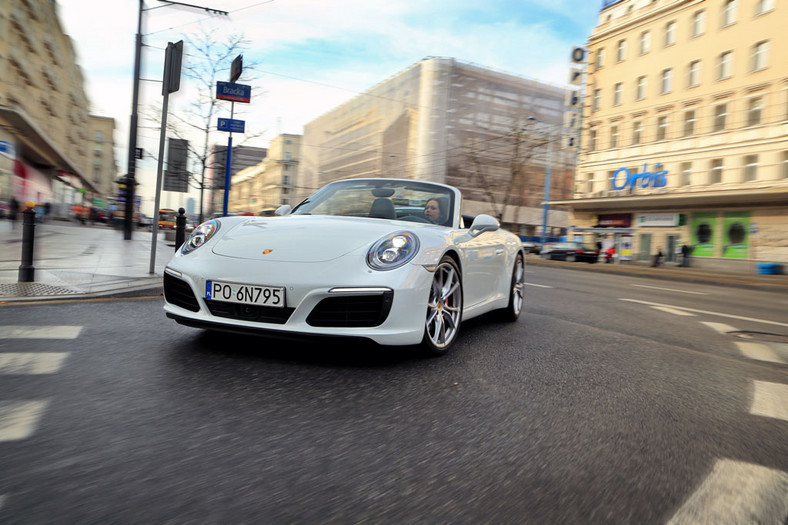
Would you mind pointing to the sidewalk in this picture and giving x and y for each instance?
(74, 261)
(78, 261)
(672, 272)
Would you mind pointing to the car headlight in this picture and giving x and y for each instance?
(200, 236)
(393, 251)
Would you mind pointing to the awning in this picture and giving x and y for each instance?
(38, 149)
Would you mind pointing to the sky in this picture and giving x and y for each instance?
(309, 56)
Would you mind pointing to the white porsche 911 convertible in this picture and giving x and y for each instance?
(389, 260)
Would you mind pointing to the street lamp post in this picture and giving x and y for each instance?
(548, 174)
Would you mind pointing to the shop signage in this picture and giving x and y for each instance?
(623, 178)
(614, 220)
(7, 149)
(658, 219)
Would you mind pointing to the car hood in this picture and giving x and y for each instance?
(303, 238)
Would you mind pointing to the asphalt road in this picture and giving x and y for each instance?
(612, 400)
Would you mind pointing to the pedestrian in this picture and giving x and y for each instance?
(610, 254)
(47, 211)
(685, 255)
(657, 258)
(13, 211)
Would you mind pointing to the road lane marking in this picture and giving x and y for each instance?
(770, 400)
(19, 419)
(719, 327)
(736, 492)
(538, 285)
(31, 363)
(672, 311)
(695, 310)
(759, 351)
(668, 289)
(40, 332)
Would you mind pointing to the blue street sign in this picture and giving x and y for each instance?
(231, 125)
(234, 92)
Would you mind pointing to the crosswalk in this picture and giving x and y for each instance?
(736, 491)
(19, 418)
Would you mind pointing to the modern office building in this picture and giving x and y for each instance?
(46, 151)
(685, 131)
(491, 134)
(262, 188)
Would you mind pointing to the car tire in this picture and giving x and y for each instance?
(444, 308)
(570, 257)
(516, 292)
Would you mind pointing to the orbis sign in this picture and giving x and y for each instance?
(623, 178)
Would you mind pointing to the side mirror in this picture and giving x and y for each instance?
(483, 223)
(283, 210)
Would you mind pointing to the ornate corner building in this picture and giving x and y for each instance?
(51, 149)
(685, 131)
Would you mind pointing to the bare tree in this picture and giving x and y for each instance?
(206, 61)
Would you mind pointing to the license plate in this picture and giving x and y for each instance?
(245, 293)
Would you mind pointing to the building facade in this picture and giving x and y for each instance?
(103, 168)
(685, 131)
(262, 188)
(242, 157)
(46, 150)
(491, 134)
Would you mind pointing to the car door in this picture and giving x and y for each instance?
(483, 261)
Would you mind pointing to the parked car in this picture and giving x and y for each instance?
(532, 246)
(344, 262)
(571, 252)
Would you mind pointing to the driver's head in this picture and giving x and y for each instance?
(433, 211)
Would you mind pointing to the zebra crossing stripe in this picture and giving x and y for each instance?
(758, 351)
(770, 400)
(31, 363)
(737, 492)
(19, 419)
(40, 332)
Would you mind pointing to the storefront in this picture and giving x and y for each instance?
(724, 229)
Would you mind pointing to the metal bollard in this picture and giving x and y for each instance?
(180, 228)
(27, 272)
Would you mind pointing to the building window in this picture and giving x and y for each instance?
(760, 55)
(785, 164)
(667, 81)
(617, 92)
(720, 116)
(754, 110)
(97, 153)
(286, 180)
(597, 99)
(693, 76)
(98, 136)
(637, 132)
(640, 91)
(670, 34)
(621, 50)
(698, 23)
(645, 42)
(689, 123)
(729, 13)
(662, 128)
(287, 155)
(614, 136)
(750, 167)
(716, 171)
(725, 65)
(600, 58)
(686, 173)
(287, 167)
(764, 6)
(592, 138)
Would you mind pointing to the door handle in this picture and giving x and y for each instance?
(498, 251)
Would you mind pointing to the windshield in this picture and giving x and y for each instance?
(383, 199)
